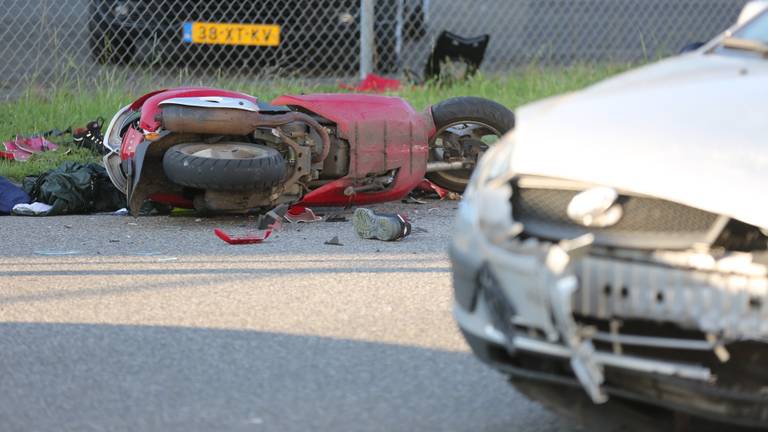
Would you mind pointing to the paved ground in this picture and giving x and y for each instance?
(154, 324)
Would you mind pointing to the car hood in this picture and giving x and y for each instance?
(690, 129)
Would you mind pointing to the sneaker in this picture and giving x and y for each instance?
(90, 136)
(386, 226)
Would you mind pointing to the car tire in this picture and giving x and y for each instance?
(218, 167)
(467, 109)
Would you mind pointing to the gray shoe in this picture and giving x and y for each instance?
(384, 226)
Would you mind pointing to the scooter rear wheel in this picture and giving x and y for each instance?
(465, 127)
(225, 166)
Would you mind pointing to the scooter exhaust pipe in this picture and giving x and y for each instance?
(227, 121)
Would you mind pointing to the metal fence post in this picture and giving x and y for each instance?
(399, 30)
(367, 19)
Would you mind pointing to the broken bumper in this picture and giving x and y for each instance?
(681, 330)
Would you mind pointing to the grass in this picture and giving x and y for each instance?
(62, 105)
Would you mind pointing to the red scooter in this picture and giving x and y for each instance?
(223, 151)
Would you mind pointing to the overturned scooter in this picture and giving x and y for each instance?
(223, 151)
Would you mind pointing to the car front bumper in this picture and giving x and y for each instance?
(683, 330)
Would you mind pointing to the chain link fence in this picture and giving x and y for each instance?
(46, 40)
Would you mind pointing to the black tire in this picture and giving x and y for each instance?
(218, 167)
(467, 109)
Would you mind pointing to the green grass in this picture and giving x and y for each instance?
(61, 105)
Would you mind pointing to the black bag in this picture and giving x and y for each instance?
(75, 188)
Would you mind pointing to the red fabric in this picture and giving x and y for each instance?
(23, 148)
(374, 83)
(6, 155)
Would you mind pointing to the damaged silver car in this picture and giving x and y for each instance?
(612, 251)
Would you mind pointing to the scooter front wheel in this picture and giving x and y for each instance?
(466, 126)
(224, 166)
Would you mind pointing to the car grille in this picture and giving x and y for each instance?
(647, 222)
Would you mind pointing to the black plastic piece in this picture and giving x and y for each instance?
(451, 47)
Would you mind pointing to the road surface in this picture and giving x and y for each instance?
(154, 324)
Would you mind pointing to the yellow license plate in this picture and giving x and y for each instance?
(231, 34)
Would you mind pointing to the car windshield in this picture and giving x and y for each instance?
(756, 30)
(752, 37)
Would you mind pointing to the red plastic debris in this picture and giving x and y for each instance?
(22, 148)
(374, 83)
(298, 214)
(258, 238)
(428, 186)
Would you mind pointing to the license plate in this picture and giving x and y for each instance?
(231, 34)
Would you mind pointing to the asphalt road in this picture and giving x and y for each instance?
(154, 324)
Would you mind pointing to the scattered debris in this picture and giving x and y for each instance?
(122, 212)
(337, 217)
(297, 214)
(22, 148)
(274, 218)
(410, 199)
(114, 241)
(252, 239)
(427, 189)
(34, 209)
(272, 221)
(334, 241)
(420, 230)
(455, 57)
